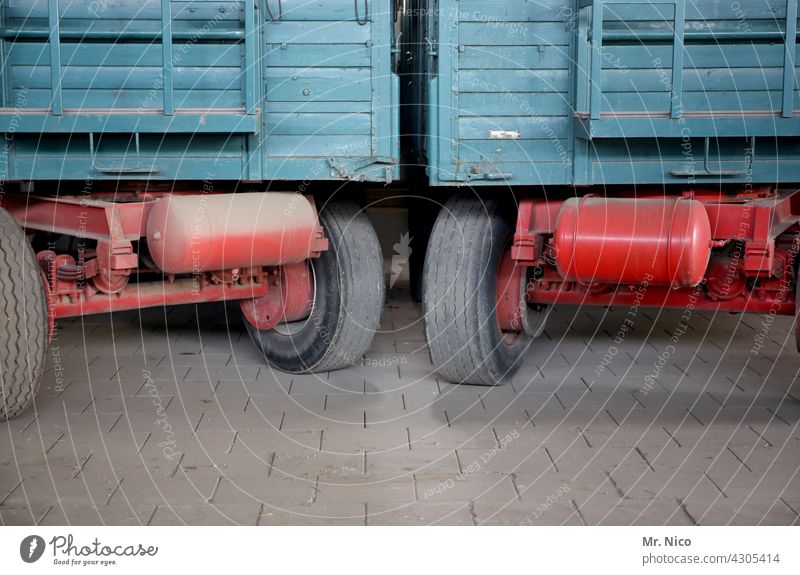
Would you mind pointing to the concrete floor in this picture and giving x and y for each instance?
(170, 417)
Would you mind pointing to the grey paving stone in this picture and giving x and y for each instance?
(615, 511)
(62, 490)
(187, 487)
(366, 489)
(386, 437)
(752, 512)
(266, 442)
(206, 515)
(466, 487)
(418, 461)
(99, 515)
(526, 514)
(314, 514)
(422, 513)
(275, 491)
(515, 458)
(442, 436)
(542, 488)
(313, 464)
(22, 515)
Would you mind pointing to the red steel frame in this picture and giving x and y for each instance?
(100, 285)
(765, 221)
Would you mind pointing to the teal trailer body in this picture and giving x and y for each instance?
(198, 89)
(603, 92)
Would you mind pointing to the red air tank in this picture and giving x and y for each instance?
(664, 241)
(193, 234)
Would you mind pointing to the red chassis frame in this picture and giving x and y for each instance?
(99, 281)
(756, 238)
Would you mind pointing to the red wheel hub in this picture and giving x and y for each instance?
(511, 303)
(289, 298)
(514, 314)
(114, 263)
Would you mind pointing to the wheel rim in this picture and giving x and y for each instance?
(505, 281)
(290, 329)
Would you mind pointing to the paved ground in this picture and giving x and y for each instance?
(170, 419)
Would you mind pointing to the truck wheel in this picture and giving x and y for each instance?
(459, 293)
(349, 292)
(23, 307)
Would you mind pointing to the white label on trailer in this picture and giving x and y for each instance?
(503, 135)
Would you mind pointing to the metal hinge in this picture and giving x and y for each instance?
(353, 169)
(478, 173)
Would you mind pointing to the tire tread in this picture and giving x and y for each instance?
(24, 338)
(458, 327)
(363, 291)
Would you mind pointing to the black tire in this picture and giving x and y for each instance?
(349, 297)
(459, 301)
(23, 306)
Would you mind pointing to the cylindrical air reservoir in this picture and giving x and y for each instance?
(214, 232)
(664, 241)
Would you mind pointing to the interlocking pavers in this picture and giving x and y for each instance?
(164, 418)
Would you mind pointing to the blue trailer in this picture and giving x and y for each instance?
(600, 145)
(125, 123)
(199, 89)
